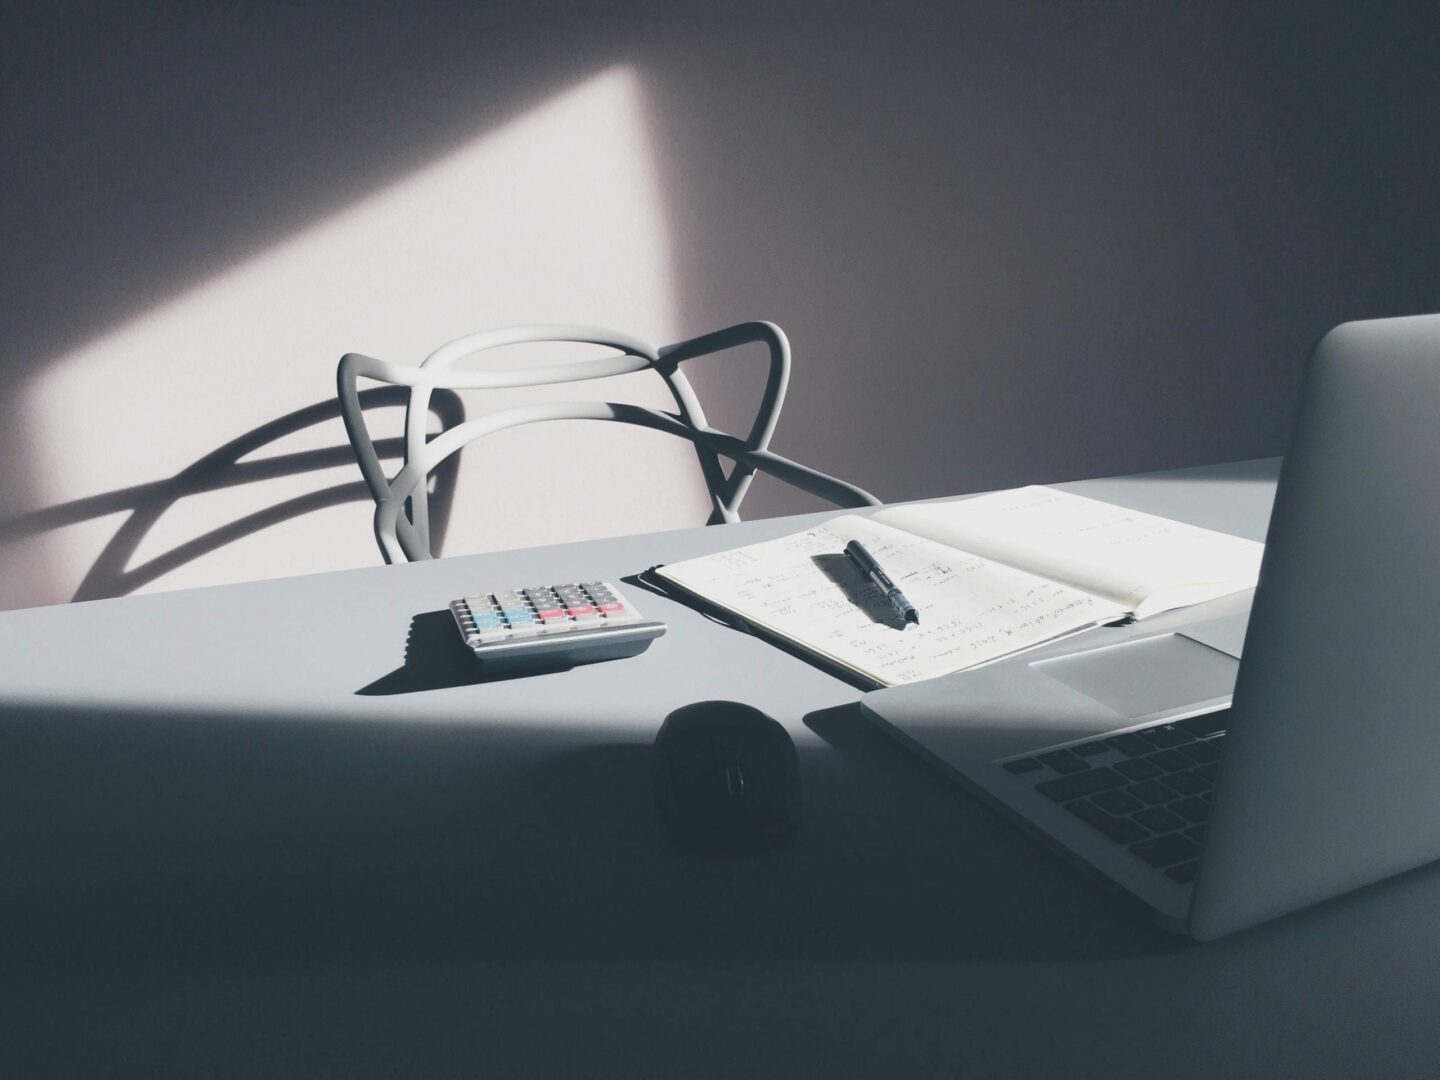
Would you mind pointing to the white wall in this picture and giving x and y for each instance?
(554, 215)
(1011, 243)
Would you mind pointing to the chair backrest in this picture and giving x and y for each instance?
(404, 534)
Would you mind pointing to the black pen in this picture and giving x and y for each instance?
(871, 569)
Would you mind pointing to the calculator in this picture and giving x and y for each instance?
(552, 626)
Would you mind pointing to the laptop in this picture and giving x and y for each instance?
(1229, 766)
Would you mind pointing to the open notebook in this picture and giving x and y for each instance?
(990, 576)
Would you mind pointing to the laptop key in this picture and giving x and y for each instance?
(1089, 749)
(1150, 792)
(1062, 761)
(1187, 783)
(1192, 810)
(1207, 771)
(1170, 760)
(1021, 765)
(1130, 745)
(1196, 833)
(1085, 783)
(1183, 872)
(1137, 769)
(1166, 850)
(1121, 830)
(1116, 801)
(1202, 752)
(1158, 819)
(1164, 736)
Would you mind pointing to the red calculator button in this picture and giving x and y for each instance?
(552, 613)
(583, 609)
(612, 607)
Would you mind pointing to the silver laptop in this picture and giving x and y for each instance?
(1123, 746)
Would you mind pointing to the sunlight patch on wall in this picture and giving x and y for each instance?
(555, 217)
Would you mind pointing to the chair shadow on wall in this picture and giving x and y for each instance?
(111, 574)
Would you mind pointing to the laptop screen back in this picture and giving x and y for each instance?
(1330, 778)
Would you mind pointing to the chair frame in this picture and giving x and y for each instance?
(406, 537)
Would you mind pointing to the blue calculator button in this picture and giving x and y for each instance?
(487, 618)
(519, 614)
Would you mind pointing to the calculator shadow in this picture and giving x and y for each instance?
(436, 659)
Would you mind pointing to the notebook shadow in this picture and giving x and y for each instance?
(716, 614)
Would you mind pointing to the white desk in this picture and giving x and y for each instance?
(222, 860)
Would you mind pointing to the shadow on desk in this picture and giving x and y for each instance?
(435, 659)
(190, 839)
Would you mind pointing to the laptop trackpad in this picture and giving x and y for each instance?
(1151, 675)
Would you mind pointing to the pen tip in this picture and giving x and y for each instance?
(912, 617)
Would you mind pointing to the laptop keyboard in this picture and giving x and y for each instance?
(1147, 789)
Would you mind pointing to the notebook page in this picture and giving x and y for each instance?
(972, 610)
(1150, 564)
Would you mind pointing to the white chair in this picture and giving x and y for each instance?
(405, 535)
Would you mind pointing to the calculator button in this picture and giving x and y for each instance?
(547, 613)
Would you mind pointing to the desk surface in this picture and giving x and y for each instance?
(245, 836)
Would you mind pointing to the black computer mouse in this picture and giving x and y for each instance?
(726, 777)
